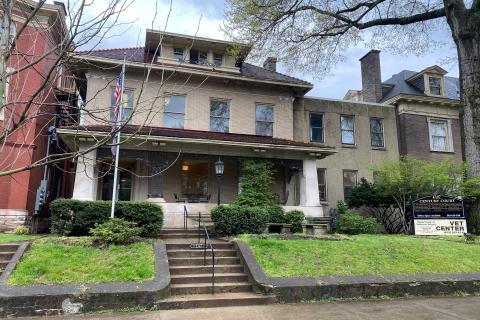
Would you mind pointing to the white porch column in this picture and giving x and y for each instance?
(309, 196)
(85, 187)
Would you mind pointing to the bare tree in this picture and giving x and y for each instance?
(313, 34)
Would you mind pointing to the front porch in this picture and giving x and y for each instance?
(176, 173)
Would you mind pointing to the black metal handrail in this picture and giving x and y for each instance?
(185, 218)
(208, 241)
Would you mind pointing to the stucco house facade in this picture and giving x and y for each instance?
(198, 105)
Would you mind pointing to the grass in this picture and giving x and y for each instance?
(364, 255)
(55, 261)
(12, 237)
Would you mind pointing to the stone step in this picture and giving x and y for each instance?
(182, 236)
(200, 252)
(203, 288)
(185, 245)
(207, 278)
(216, 300)
(199, 261)
(6, 255)
(9, 247)
(177, 270)
(3, 263)
(180, 230)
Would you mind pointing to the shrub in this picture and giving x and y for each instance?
(341, 207)
(76, 218)
(233, 219)
(275, 214)
(21, 230)
(116, 231)
(295, 218)
(353, 223)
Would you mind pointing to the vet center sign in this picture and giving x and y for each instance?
(439, 215)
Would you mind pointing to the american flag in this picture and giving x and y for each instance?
(117, 96)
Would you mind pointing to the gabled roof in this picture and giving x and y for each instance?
(401, 84)
(139, 55)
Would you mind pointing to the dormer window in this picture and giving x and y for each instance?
(217, 59)
(435, 85)
(178, 53)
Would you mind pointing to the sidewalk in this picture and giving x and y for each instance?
(409, 309)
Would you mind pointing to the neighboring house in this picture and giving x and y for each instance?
(199, 105)
(29, 143)
(427, 105)
(364, 134)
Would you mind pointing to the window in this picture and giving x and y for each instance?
(202, 58)
(174, 114)
(322, 184)
(316, 127)
(219, 116)
(178, 53)
(217, 59)
(435, 86)
(376, 132)
(349, 182)
(127, 104)
(440, 135)
(347, 125)
(264, 120)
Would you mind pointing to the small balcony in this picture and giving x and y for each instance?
(65, 84)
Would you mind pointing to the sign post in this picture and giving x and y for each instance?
(439, 215)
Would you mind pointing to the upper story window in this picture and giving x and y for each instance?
(174, 113)
(127, 104)
(202, 58)
(217, 59)
(264, 120)
(316, 127)
(347, 127)
(322, 184)
(178, 53)
(350, 179)
(435, 85)
(219, 116)
(376, 133)
(440, 135)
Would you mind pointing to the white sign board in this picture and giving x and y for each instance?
(440, 227)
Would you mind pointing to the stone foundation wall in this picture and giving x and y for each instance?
(12, 218)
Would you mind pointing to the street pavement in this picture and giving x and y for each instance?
(465, 308)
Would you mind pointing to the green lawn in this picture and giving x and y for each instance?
(11, 237)
(364, 255)
(54, 261)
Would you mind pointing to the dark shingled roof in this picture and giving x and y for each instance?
(194, 134)
(401, 86)
(139, 55)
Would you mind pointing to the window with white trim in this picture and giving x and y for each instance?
(174, 113)
(435, 85)
(264, 120)
(347, 126)
(316, 127)
(127, 104)
(219, 115)
(178, 53)
(322, 183)
(350, 180)
(376, 133)
(217, 59)
(440, 131)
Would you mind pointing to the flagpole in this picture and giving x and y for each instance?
(117, 140)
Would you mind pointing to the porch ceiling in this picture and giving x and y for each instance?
(165, 139)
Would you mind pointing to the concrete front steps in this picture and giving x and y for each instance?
(191, 274)
(6, 254)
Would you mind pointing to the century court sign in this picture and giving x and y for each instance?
(439, 215)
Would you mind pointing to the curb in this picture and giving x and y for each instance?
(16, 301)
(298, 289)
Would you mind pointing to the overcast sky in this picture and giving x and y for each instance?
(208, 15)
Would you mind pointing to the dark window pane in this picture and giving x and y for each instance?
(317, 134)
(219, 124)
(316, 120)
(219, 109)
(264, 128)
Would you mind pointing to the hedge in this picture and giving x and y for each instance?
(76, 218)
(232, 219)
(353, 223)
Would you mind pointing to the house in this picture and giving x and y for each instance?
(29, 143)
(426, 103)
(201, 103)
(364, 135)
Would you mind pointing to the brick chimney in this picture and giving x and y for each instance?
(270, 64)
(371, 76)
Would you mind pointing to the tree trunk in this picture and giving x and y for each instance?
(465, 26)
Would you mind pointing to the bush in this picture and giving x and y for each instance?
(116, 231)
(295, 218)
(233, 219)
(21, 230)
(276, 214)
(76, 218)
(353, 223)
